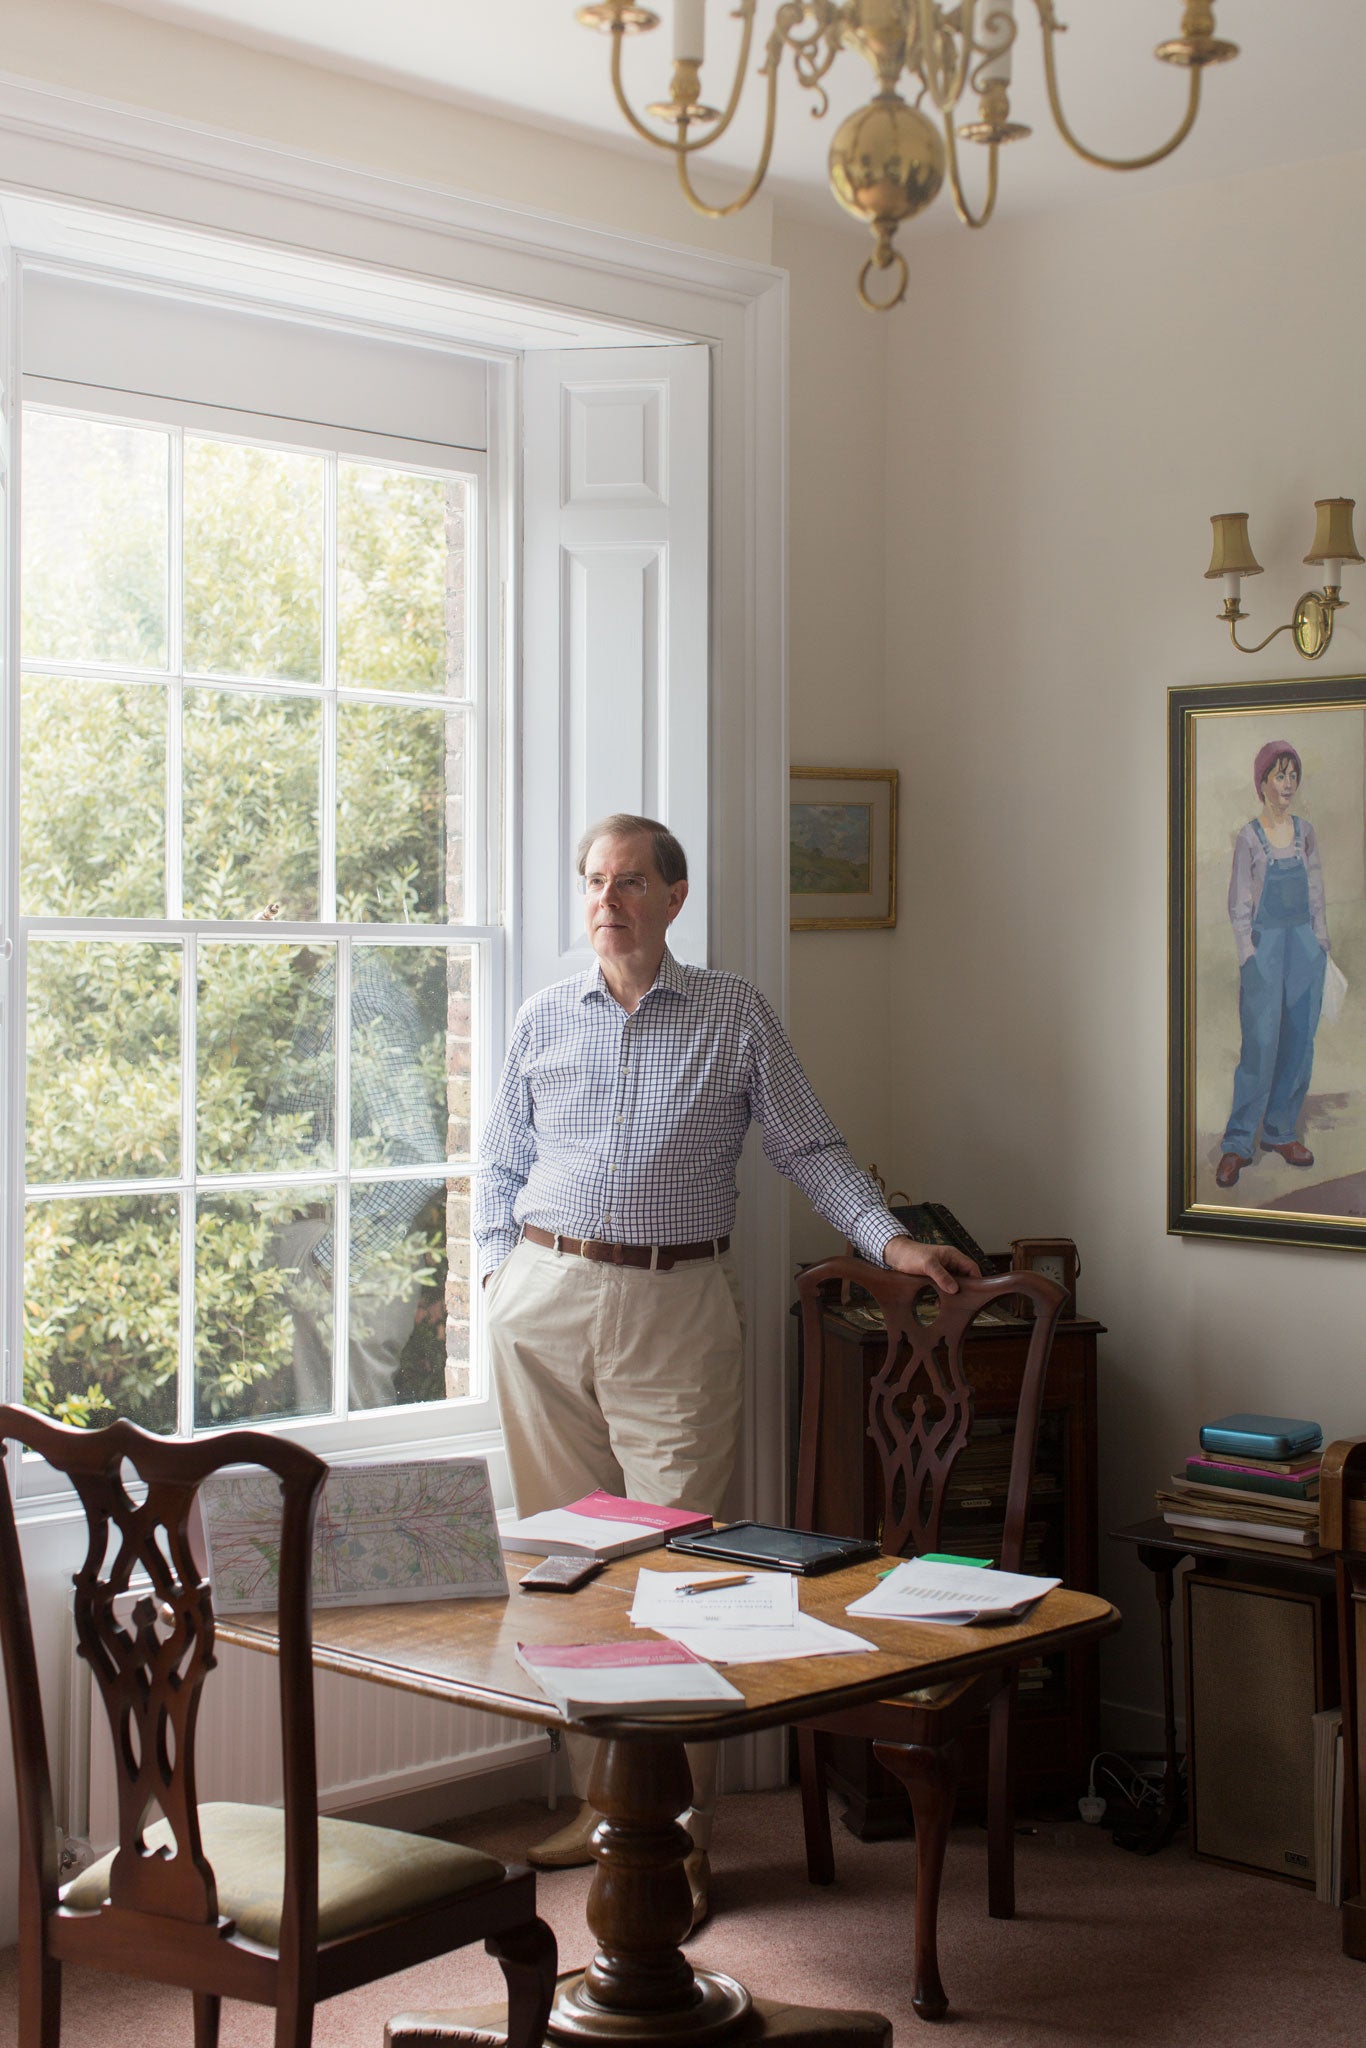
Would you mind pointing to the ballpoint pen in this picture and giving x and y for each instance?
(715, 1585)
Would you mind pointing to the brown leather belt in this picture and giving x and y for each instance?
(658, 1257)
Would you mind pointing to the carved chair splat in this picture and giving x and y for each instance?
(920, 1412)
(226, 1901)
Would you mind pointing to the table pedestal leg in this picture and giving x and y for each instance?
(640, 1986)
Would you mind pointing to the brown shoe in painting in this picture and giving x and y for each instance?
(1228, 1170)
(1295, 1154)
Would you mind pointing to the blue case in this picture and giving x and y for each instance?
(1260, 1436)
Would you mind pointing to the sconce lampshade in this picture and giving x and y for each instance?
(1333, 537)
(1233, 554)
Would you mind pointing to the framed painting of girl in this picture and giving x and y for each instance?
(1268, 962)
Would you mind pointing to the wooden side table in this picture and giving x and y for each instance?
(1161, 1549)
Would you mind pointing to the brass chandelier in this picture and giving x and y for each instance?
(888, 160)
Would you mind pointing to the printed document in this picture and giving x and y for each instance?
(766, 1600)
(959, 1594)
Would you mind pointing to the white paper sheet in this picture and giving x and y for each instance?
(955, 1594)
(807, 1637)
(769, 1600)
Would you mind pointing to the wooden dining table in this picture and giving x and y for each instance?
(639, 1986)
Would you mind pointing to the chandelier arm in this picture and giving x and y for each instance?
(674, 143)
(723, 212)
(960, 204)
(1106, 163)
(944, 86)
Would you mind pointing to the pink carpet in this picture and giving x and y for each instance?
(1165, 1952)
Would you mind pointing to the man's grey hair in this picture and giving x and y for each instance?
(670, 858)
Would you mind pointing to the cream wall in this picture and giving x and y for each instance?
(839, 982)
(1077, 396)
(84, 47)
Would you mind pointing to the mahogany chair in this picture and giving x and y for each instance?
(260, 1903)
(919, 1416)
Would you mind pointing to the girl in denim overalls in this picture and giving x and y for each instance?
(1276, 905)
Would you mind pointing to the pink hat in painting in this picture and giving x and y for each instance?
(1268, 756)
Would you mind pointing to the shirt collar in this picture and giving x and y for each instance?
(670, 978)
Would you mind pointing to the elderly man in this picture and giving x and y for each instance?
(604, 1206)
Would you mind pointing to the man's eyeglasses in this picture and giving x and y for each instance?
(625, 885)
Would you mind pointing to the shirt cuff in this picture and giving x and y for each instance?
(496, 1247)
(874, 1236)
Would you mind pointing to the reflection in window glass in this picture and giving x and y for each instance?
(95, 541)
(397, 1348)
(253, 561)
(263, 1305)
(398, 1052)
(103, 1059)
(252, 765)
(265, 1055)
(400, 815)
(101, 1316)
(459, 1286)
(400, 579)
(93, 807)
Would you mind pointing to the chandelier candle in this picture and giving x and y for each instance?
(689, 31)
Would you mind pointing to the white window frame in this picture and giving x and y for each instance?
(187, 207)
(473, 1419)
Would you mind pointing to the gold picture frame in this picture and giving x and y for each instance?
(1267, 1123)
(842, 849)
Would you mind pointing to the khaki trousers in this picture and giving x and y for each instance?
(622, 1378)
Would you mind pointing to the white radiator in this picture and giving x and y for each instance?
(373, 1743)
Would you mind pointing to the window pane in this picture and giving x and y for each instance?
(103, 1059)
(265, 1048)
(93, 808)
(263, 1305)
(459, 1287)
(400, 579)
(95, 541)
(252, 766)
(400, 815)
(253, 561)
(398, 1293)
(399, 1001)
(101, 1321)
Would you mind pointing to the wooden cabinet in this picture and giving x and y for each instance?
(1058, 1712)
(1342, 1530)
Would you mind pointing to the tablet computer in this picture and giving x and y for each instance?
(783, 1550)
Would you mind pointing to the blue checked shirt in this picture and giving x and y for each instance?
(629, 1129)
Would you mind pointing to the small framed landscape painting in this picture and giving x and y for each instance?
(1267, 982)
(842, 849)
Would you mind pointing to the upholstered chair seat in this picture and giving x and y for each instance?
(365, 1875)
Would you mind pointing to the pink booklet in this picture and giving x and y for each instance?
(633, 1677)
(601, 1525)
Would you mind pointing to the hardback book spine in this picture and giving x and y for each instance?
(1248, 1479)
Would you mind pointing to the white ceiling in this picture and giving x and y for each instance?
(1293, 94)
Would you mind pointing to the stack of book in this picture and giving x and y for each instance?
(1253, 1484)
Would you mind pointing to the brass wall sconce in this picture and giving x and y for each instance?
(1311, 628)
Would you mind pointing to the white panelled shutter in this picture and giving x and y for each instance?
(615, 626)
